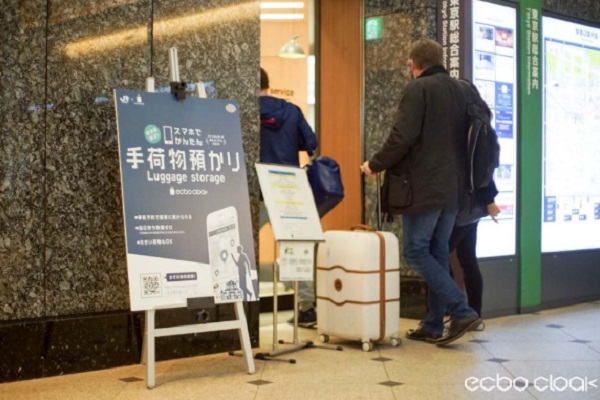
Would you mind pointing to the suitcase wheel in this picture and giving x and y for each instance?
(367, 345)
(394, 341)
(324, 338)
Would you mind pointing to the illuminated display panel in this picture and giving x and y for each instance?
(495, 75)
(571, 162)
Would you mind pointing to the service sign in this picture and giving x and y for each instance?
(185, 200)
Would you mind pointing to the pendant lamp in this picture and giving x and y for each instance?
(292, 49)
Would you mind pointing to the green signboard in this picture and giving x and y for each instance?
(530, 153)
(373, 28)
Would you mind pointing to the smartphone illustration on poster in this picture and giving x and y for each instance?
(223, 239)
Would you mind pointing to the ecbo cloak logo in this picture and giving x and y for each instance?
(187, 192)
(541, 384)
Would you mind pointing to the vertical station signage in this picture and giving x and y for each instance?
(479, 43)
(454, 34)
(530, 153)
(185, 200)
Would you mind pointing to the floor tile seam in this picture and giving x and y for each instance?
(591, 348)
(124, 387)
(576, 337)
(505, 367)
(485, 348)
(385, 370)
(391, 389)
(545, 360)
(547, 342)
(565, 330)
(578, 360)
(263, 365)
(203, 372)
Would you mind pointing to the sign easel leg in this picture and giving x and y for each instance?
(149, 347)
(244, 336)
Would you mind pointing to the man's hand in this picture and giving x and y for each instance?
(493, 210)
(366, 170)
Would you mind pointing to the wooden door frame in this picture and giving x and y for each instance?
(340, 94)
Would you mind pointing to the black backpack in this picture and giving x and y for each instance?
(483, 148)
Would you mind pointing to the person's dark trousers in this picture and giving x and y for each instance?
(464, 241)
(426, 240)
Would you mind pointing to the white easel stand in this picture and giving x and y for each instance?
(151, 333)
(296, 344)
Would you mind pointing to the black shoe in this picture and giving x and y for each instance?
(422, 335)
(458, 327)
(306, 319)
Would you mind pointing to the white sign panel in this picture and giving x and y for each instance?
(495, 75)
(296, 261)
(185, 200)
(290, 203)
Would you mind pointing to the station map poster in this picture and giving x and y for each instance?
(185, 200)
(494, 72)
(571, 129)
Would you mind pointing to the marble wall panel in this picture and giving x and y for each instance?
(588, 10)
(91, 51)
(217, 41)
(22, 121)
(381, 7)
(386, 73)
(61, 240)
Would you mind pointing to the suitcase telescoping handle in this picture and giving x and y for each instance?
(379, 223)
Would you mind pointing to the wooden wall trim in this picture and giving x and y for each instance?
(340, 66)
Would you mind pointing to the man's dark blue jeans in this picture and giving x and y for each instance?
(425, 238)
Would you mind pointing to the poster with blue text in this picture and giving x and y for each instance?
(185, 200)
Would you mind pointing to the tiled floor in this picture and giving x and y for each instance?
(554, 354)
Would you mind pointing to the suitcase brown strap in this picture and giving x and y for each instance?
(382, 302)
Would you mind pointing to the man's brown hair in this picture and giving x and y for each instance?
(264, 79)
(426, 53)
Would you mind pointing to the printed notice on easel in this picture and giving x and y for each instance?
(296, 260)
(290, 203)
(185, 200)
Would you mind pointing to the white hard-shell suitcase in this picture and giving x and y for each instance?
(358, 286)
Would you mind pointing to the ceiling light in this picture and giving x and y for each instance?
(282, 4)
(282, 17)
(292, 49)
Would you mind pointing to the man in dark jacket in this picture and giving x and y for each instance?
(284, 132)
(425, 161)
